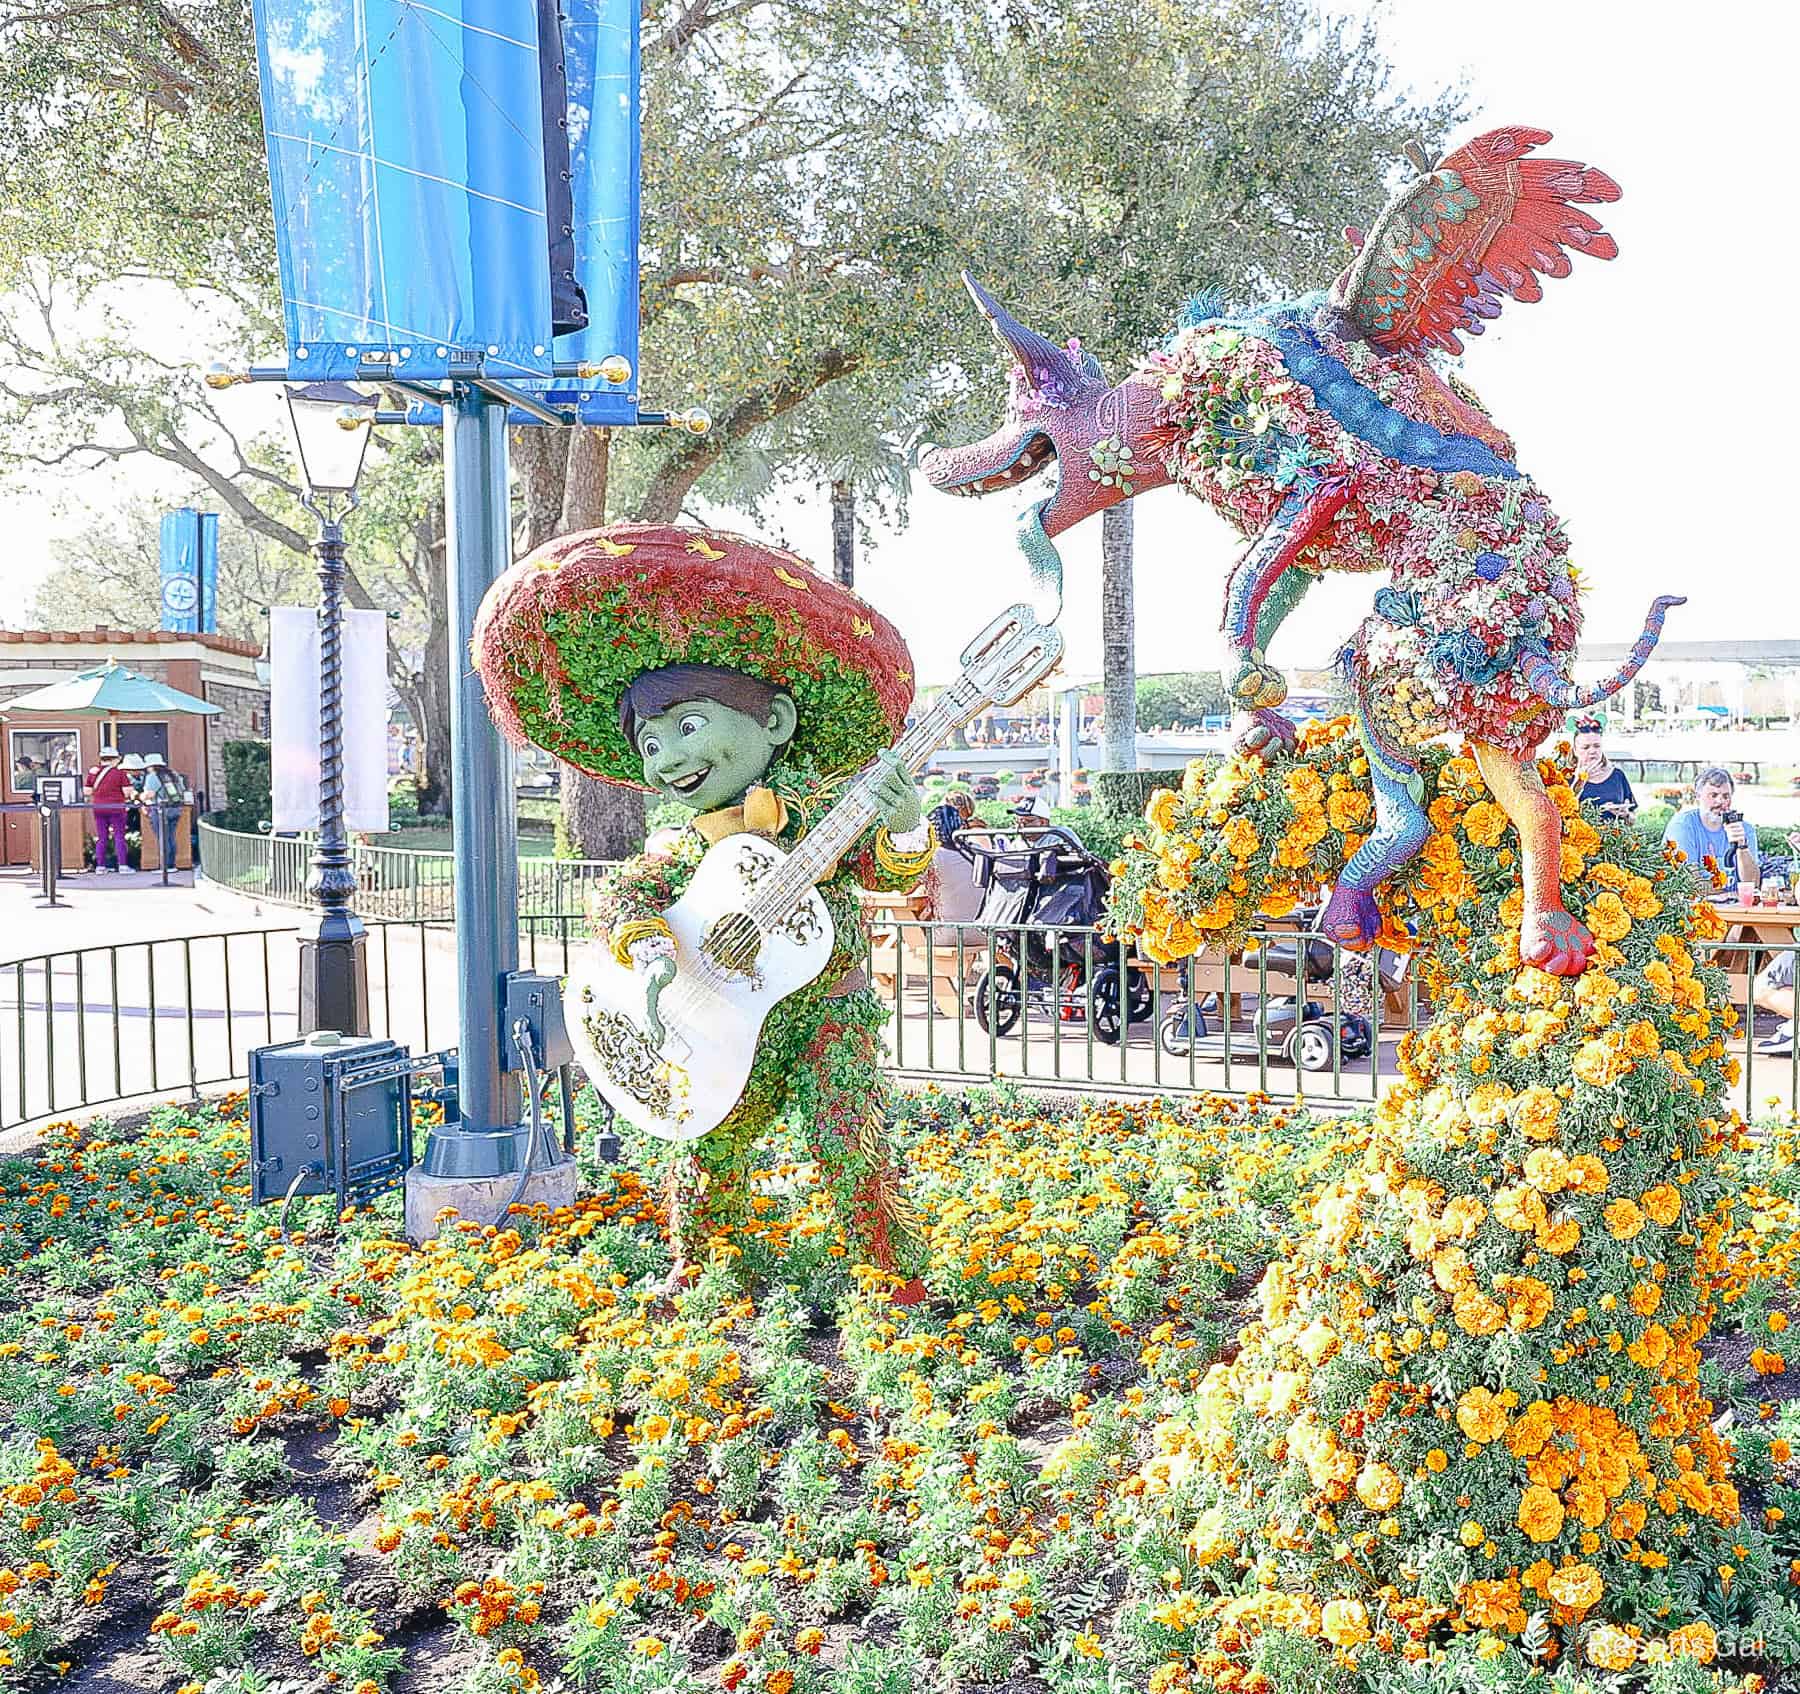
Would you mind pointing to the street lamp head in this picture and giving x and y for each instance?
(331, 423)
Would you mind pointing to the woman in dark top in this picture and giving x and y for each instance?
(1598, 781)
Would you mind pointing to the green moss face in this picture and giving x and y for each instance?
(708, 755)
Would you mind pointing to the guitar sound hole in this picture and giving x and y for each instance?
(733, 943)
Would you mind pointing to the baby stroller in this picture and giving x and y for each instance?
(1290, 1027)
(1031, 887)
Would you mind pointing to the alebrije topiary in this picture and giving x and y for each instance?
(1467, 1417)
(561, 635)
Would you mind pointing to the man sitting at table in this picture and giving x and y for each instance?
(1701, 831)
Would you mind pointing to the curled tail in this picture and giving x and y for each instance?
(1540, 676)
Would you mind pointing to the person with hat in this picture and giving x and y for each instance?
(164, 793)
(724, 674)
(109, 787)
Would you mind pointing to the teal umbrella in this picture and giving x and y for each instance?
(106, 691)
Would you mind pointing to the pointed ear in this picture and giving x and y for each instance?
(783, 719)
(1049, 371)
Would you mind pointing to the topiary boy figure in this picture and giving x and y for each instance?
(723, 674)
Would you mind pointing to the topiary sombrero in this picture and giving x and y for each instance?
(561, 635)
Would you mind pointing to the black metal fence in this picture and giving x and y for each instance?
(1048, 1007)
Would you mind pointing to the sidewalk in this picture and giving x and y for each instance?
(101, 909)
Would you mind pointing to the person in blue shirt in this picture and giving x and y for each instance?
(1598, 781)
(1700, 831)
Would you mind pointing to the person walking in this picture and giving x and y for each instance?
(109, 786)
(163, 794)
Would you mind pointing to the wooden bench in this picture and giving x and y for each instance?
(904, 949)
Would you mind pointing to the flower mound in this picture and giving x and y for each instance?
(1470, 1401)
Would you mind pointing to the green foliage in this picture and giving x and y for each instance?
(247, 782)
(1181, 698)
(1123, 795)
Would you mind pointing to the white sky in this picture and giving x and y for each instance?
(1646, 395)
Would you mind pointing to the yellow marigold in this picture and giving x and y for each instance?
(1484, 823)
(1489, 1104)
(1695, 1641)
(1377, 1487)
(1520, 1208)
(1530, 1430)
(1611, 1648)
(1471, 1534)
(1240, 837)
(1578, 1587)
(1347, 809)
(1535, 1111)
(1623, 1219)
(1480, 1415)
(1547, 1169)
(1317, 1342)
(1587, 1500)
(1645, 1298)
(1345, 1623)
(1540, 1513)
(1528, 1301)
(1607, 918)
(1493, 1604)
(1305, 787)
(1599, 1063)
(1587, 1174)
(1563, 1236)
(1663, 1203)
(1639, 898)
(1164, 804)
(1475, 1313)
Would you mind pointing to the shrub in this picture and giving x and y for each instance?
(247, 786)
(1125, 794)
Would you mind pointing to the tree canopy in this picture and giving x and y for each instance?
(816, 174)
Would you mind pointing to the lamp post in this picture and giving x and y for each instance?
(331, 423)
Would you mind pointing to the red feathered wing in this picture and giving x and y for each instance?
(1487, 222)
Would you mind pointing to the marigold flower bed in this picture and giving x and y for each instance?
(1208, 1394)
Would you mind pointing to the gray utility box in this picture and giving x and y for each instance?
(329, 1115)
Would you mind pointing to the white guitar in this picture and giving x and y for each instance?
(751, 928)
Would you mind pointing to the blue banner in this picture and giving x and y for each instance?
(600, 52)
(209, 573)
(406, 161)
(180, 570)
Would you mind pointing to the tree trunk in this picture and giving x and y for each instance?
(1118, 641)
(843, 533)
(430, 705)
(597, 820)
(540, 458)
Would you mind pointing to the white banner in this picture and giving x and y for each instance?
(294, 718)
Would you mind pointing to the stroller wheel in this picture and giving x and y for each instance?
(997, 999)
(1310, 1047)
(1180, 1030)
(1103, 1004)
(1140, 998)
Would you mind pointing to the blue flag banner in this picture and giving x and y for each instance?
(406, 162)
(209, 573)
(180, 570)
(600, 53)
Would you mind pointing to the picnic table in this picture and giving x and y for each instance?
(1744, 951)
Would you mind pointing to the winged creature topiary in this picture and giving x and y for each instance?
(1322, 429)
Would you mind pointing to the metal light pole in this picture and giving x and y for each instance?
(331, 423)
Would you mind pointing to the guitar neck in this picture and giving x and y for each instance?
(812, 861)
